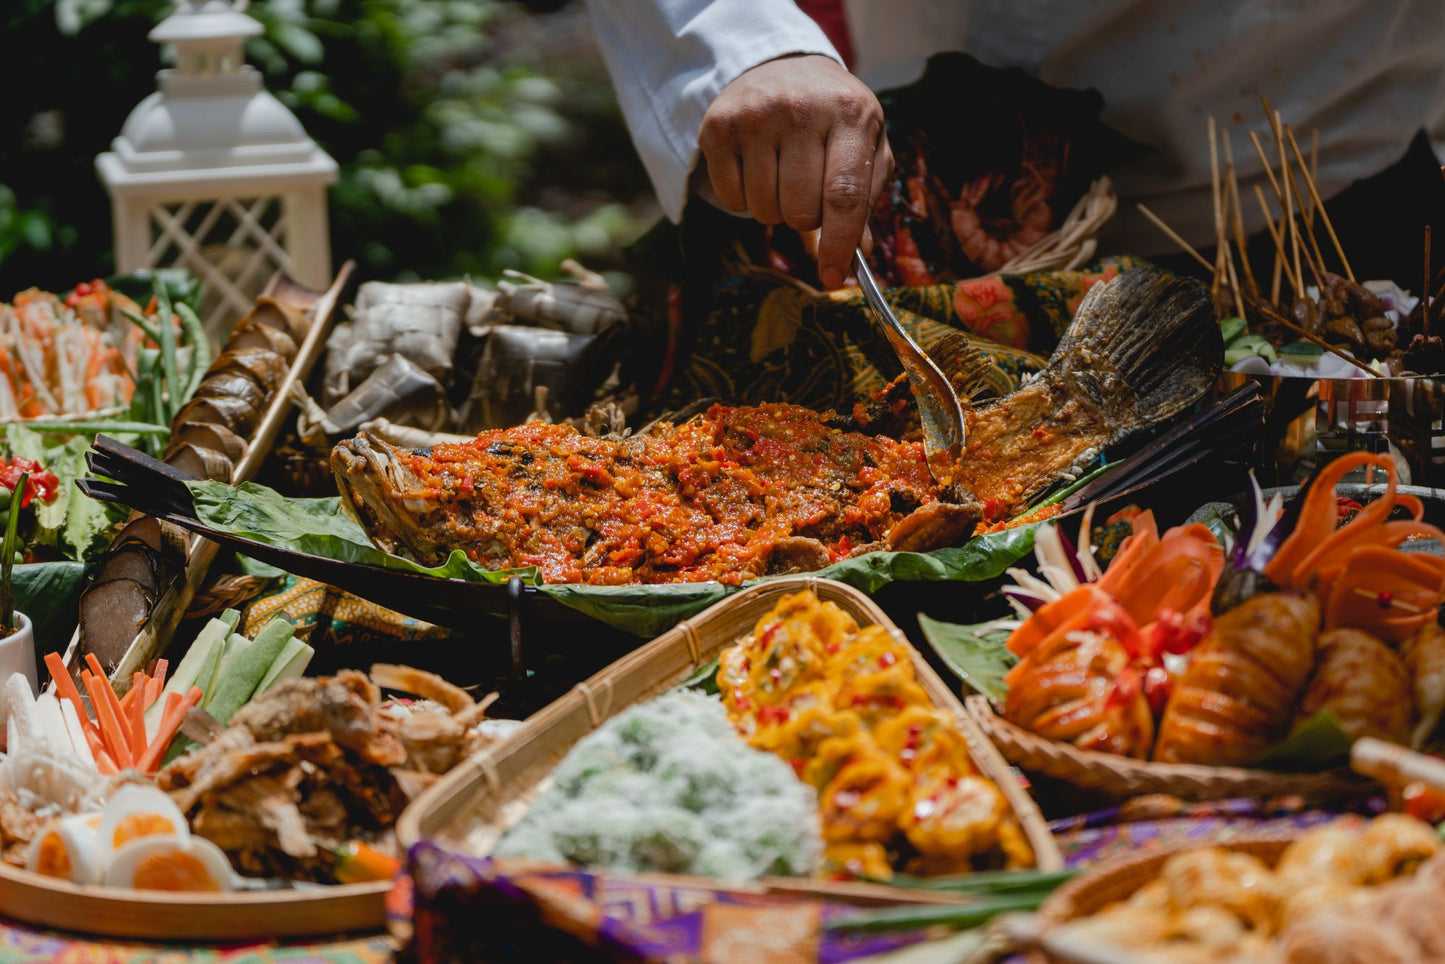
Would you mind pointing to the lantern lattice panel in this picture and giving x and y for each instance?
(233, 244)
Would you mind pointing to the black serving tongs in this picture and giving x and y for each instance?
(939, 411)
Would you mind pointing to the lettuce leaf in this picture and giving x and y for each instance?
(73, 523)
(1316, 744)
(321, 527)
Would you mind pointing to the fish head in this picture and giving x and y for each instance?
(374, 483)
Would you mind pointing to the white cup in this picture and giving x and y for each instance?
(17, 655)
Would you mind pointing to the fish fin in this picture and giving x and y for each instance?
(962, 363)
(1144, 345)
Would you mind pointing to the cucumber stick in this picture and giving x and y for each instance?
(240, 677)
(197, 668)
(236, 644)
(292, 662)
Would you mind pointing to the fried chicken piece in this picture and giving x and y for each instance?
(343, 706)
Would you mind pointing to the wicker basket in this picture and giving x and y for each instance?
(1073, 243)
(1122, 777)
(471, 807)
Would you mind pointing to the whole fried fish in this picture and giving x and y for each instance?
(742, 492)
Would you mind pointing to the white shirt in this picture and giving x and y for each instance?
(1366, 73)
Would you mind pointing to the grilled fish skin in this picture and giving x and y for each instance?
(1141, 349)
(737, 493)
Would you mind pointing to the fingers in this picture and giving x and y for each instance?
(848, 180)
(724, 166)
(801, 163)
(760, 180)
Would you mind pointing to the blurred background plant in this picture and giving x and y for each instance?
(473, 135)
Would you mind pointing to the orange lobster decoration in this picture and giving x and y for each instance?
(1362, 579)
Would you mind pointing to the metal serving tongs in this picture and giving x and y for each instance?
(938, 408)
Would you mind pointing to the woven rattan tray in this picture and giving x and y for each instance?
(1121, 777)
(471, 807)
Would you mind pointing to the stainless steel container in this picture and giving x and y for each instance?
(1311, 421)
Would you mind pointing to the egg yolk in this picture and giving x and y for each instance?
(53, 859)
(134, 825)
(172, 870)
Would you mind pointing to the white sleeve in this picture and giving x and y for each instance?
(669, 58)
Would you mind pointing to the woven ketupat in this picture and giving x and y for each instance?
(768, 339)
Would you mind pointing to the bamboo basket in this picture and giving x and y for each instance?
(473, 806)
(171, 605)
(1073, 243)
(1123, 777)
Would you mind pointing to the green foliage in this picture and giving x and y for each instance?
(472, 136)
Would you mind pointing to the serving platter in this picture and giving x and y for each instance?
(157, 915)
(470, 808)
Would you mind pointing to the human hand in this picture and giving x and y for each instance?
(799, 141)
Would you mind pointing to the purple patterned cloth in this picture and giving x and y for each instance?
(469, 909)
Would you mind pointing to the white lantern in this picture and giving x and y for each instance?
(212, 173)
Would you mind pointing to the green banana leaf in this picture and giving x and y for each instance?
(320, 526)
(49, 593)
(980, 659)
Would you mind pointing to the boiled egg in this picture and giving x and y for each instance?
(69, 849)
(170, 862)
(139, 811)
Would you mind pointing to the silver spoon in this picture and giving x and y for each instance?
(938, 409)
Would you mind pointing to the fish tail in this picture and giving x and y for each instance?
(1141, 347)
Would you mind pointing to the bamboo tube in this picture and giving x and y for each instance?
(1324, 214)
(1184, 246)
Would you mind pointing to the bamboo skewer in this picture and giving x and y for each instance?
(1169, 232)
(1425, 305)
(1281, 259)
(1317, 265)
(1314, 169)
(1219, 240)
(1234, 287)
(1277, 318)
(1232, 188)
(1288, 200)
(1279, 195)
(1324, 214)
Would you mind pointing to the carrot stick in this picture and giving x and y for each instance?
(108, 692)
(158, 682)
(136, 721)
(173, 716)
(65, 686)
(112, 731)
(104, 763)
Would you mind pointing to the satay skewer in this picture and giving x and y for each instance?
(1277, 236)
(1425, 304)
(1169, 232)
(1277, 318)
(1324, 213)
(1317, 266)
(1232, 187)
(1284, 178)
(1219, 242)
